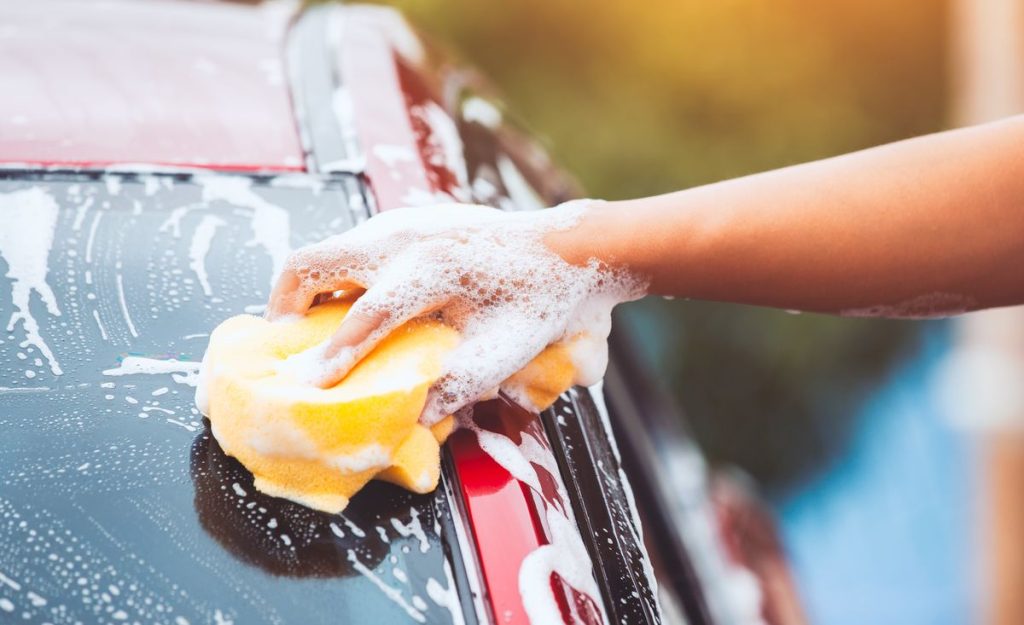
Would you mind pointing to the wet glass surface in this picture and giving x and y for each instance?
(116, 505)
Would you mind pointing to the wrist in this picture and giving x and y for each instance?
(584, 237)
(657, 239)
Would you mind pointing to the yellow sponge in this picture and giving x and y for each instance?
(318, 447)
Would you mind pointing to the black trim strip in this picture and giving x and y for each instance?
(318, 93)
(590, 469)
(459, 546)
(634, 399)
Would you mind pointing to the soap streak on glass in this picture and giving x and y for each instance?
(128, 512)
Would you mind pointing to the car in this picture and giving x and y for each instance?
(158, 162)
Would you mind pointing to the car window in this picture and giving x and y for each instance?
(505, 167)
(116, 504)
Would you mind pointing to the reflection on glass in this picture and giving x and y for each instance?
(277, 535)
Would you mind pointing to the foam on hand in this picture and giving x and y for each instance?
(484, 272)
(487, 306)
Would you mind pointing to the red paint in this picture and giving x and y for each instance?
(507, 516)
(504, 534)
(390, 91)
(180, 84)
(370, 72)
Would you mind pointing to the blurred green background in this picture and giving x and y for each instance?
(641, 98)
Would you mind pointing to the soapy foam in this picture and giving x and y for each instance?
(486, 273)
(444, 145)
(393, 594)
(446, 597)
(566, 556)
(306, 366)
(391, 154)
(520, 191)
(26, 249)
(182, 371)
(119, 280)
(200, 247)
(271, 225)
(480, 111)
(412, 528)
(371, 456)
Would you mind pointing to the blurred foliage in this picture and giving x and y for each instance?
(639, 98)
(643, 97)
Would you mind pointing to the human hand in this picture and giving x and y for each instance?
(485, 272)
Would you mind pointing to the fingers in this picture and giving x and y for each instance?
(308, 272)
(477, 367)
(383, 308)
(286, 298)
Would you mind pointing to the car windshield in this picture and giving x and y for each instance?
(116, 504)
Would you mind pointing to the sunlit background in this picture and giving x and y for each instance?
(843, 423)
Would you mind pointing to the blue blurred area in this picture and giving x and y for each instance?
(886, 535)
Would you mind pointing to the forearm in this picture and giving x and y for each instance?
(938, 219)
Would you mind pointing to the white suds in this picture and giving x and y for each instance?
(565, 555)
(124, 305)
(371, 456)
(352, 527)
(113, 184)
(186, 426)
(507, 454)
(200, 247)
(91, 240)
(480, 111)
(220, 619)
(391, 593)
(444, 147)
(419, 197)
(520, 191)
(80, 212)
(271, 226)
(26, 248)
(400, 34)
(99, 324)
(447, 597)
(9, 390)
(7, 581)
(493, 279)
(391, 154)
(412, 528)
(182, 371)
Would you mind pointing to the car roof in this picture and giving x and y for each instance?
(158, 82)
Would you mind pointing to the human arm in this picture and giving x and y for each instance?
(931, 225)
